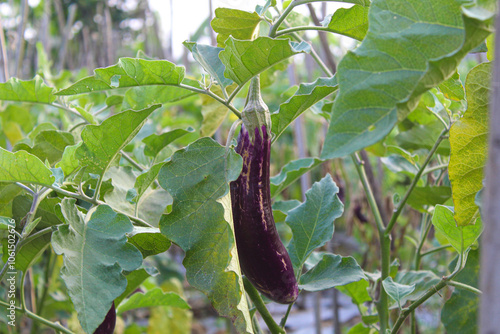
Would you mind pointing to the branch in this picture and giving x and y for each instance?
(261, 307)
(414, 182)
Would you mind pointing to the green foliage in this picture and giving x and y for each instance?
(351, 22)
(382, 80)
(154, 297)
(312, 221)
(468, 138)
(290, 173)
(397, 291)
(331, 271)
(246, 59)
(460, 237)
(35, 91)
(306, 96)
(234, 22)
(197, 178)
(23, 167)
(95, 253)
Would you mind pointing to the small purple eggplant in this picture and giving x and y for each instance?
(108, 324)
(263, 257)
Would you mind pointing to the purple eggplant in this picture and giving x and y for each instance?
(263, 257)
(108, 324)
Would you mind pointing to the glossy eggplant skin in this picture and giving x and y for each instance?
(262, 256)
(108, 324)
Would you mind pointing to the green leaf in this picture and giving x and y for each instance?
(351, 22)
(134, 281)
(149, 241)
(428, 196)
(69, 163)
(149, 206)
(423, 136)
(422, 279)
(102, 143)
(331, 271)
(128, 72)
(137, 98)
(357, 291)
(468, 141)
(410, 47)
(48, 145)
(398, 164)
(460, 312)
(306, 96)
(312, 221)
(95, 253)
(452, 88)
(8, 191)
(397, 291)
(290, 173)
(85, 114)
(31, 251)
(198, 177)
(234, 22)
(444, 222)
(155, 143)
(213, 113)
(246, 59)
(34, 90)
(23, 167)
(47, 210)
(146, 179)
(360, 329)
(281, 208)
(208, 57)
(154, 297)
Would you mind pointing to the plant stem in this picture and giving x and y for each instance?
(401, 204)
(427, 228)
(215, 97)
(385, 244)
(444, 281)
(285, 317)
(28, 189)
(434, 250)
(302, 28)
(35, 317)
(434, 168)
(465, 287)
(261, 307)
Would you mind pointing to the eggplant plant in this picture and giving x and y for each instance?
(104, 179)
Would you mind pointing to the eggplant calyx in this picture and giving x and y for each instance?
(256, 113)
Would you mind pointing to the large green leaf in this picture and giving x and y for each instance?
(331, 271)
(290, 173)
(154, 297)
(397, 291)
(468, 140)
(23, 167)
(48, 145)
(411, 46)
(245, 59)
(351, 22)
(149, 241)
(428, 196)
(128, 72)
(234, 22)
(422, 279)
(460, 312)
(312, 221)
(198, 178)
(34, 90)
(95, 253)
(149, 203)
(134, 281)
(306, 96)
(155, 143)
(102, 143)
(444, 222)
(30, 251)
(144, 96)
(208, 57)
(358, 291)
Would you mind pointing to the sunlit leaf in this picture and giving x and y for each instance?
(234, 22)
(351, 22)
(34, 90)
(154, 297)
(290, 173)
(23, 167)
(468, 141)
